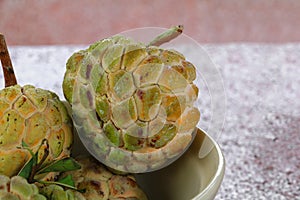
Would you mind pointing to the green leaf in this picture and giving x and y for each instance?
(63, 165)
(27, 169)
(31, 164)
(25, 145)
(68, 180)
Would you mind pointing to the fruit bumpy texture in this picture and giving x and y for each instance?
(132, 103)
(30, 115)
(100, 183)
(17, 188)
(55, 192)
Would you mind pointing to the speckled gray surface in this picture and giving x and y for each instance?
(261, 139)
(261, 136)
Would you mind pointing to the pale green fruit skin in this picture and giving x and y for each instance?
(17, 188)
(31, 114)
(134, 103)
(100, 183)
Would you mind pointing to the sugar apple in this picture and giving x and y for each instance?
(17, 188)
(98, 182)
(29, 115)
(133, 104)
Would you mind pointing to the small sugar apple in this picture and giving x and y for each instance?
(133, 104)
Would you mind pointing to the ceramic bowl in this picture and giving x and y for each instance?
(189, 177)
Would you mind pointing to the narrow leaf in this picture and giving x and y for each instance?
(68, 180)
(24, 144)
(27, 169)
(63, 165)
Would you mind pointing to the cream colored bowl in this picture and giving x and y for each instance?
(189, 177)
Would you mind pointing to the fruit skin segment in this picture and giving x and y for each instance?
(55, 192)
(98, 182)
(29, 115)
(17, 188)
(142, 97)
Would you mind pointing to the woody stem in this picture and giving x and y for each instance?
(8, 71)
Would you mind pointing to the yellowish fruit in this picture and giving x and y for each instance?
(30, 115)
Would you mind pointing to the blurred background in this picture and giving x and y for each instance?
(43, 22)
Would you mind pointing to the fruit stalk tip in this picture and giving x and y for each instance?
(8, 71)
(167, 36)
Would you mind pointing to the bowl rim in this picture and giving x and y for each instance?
(219, 175)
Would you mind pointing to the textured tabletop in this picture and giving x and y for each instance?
(261, 135)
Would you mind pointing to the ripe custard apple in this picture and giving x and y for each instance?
(28, 115)
(132, 104)
(98, 182)
(17, 188)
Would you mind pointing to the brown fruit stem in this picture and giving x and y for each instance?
(8, 71)
(167, 36)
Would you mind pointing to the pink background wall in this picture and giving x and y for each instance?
(36, 22)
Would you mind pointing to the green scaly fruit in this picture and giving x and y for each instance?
(29, 114)
(132, 103)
